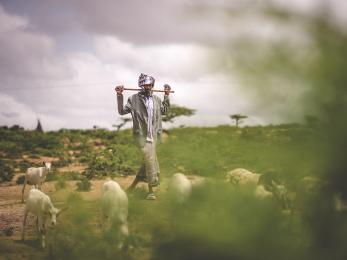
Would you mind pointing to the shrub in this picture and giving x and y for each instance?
(74, 176)
(60, 184)
(52, 176)
(24, 165)
(62, 162)
(20, 180)
(6, 171)
(120, 159)
(84, 185)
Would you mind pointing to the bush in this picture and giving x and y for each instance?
(74, 176)
(60, 184)
(62, 162)
(20, 180)
(52, 176)
(6, 171)
(84, 185)
(24, 165)
(120, 159)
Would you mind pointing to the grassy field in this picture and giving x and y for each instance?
(218, 221)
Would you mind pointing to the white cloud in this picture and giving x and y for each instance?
(166, 60)
(13, 112)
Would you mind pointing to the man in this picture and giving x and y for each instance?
(146, 110)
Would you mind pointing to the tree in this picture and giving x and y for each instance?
(39, 126)
(176, 111)
(124, 121)
(237, 118)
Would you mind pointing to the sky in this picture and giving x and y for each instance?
(60, 60)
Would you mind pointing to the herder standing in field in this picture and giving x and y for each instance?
(146, 110)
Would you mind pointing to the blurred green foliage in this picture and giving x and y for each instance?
(306, 65)
(212, 152)
(77, 238)
(220, 222)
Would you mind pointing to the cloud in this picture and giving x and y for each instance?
(63, 90)
(13, 112)
(76, 88)
(140, 22)
(167, 60)
(63, 59)
(26, 55)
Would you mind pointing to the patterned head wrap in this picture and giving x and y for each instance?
(145, 80)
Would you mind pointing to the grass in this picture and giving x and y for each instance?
(218, 221)
(211, 152)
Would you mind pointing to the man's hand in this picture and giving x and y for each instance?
(167, 89)
(120, 89)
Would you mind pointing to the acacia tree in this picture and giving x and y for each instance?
(120, 125)
(176, 111)
(238, 118)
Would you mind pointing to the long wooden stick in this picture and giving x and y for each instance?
(154, 90)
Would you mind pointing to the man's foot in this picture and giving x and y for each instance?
(151, 196)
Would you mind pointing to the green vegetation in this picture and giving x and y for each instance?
(209, 152)
(52, 176)
(83, 185)
(20, 180)
(105, 153)
(6, 171)
(61, 183)
(218, 221)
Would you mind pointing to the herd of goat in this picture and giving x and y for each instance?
(114, 200)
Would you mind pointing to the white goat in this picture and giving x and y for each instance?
(114, 207)
(40, 205)
(263, 188)
(241, 176)
(36, 176)
(261, 192)
(180, 187)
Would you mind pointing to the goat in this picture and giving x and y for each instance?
(36, 176)
(180, 187)
(114, 208)
(264, 186)
(241, 176)
(40, 205)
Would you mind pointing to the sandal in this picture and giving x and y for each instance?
(151, 196)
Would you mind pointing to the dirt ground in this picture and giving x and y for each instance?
(11, 215)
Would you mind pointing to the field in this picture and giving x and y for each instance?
(217, 222)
